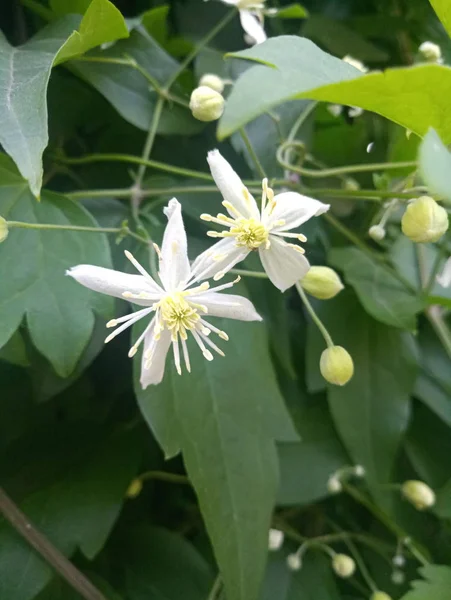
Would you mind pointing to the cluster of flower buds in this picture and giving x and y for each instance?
(207, 102)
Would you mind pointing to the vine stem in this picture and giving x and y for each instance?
(170, 191)
(42, 545)
(246, 273)
(253, 154)
(315, 318)
(198, 47)
(216, 588)
(165, 476)
(435, 318)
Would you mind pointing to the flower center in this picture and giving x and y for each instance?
(249, 233)
(178, 315)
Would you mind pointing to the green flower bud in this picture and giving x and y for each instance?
(336, 365)
(380, 596)
(212, 81)
(377, 232)
(343, 565)
(134, 489)
(431, 52)
(322, 283)
(3, 230)
(206, 104)
(351, 185)
(424, 220)
(418, 493)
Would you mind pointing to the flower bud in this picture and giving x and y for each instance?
(322, 283)
(398, 577)
(3, 230)
(334, 485)
(343, 565)
(294, 562)
(275, 539)
(399, 560)
(212, 81)
(206, 104)
(359, 471)
(134, 489)
(419, 494)
(350, 184)
(380, 596)
(377, 232)
(424, 220)
(431, 52)
(336, 365)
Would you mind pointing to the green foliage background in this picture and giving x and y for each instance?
(248, 441)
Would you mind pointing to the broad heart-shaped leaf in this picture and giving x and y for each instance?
(443, 10)
(24, 76)
(32, 271)
(297, 68)
(371, 412)
(130, 92)
(77, 511)
(435, 165)
(437, 584)
(383, 295)
(160, 564)
(225, 416)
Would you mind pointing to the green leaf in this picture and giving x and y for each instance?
(130, 92)
(436, 587)
(435, 165)
(443, 10)
(32, 269)
(162, 565)
(78, 511)
(297, 68)
(443, 505)
(225, 416)
(59, 589)
(14, 351)
(383, 295)
(64, 7)
(372, 411)
(292, 11)
(102, 22)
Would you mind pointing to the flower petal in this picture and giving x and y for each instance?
(174, 263)
(295, 209)
(283, 264)
(155, 371)
(252, 26)
(115, 283)
(231, 187)
(228, 306)
(444, 279)
(222, 256)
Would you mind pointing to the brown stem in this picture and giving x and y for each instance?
(41, 544)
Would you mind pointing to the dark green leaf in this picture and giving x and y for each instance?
(437, 584)
(14, 351)
(59, 312)
(383, 295)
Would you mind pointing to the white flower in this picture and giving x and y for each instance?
(444, 279)
(275, 539)
(253, 229)
(251, 17)
(178, 303)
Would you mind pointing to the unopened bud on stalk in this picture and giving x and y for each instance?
(322, 283)
(377, 232)
(134, 489)
(206, 104)
(212, 81)
(424, 220)
(343, 565)
(418, 493)
(350, 184)
(334, 485)
(380, 596)
(275, 539)
(3, 230)
(431, 52)
(336, 365)
(294, 562)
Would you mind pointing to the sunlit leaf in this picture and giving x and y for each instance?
(435, 165)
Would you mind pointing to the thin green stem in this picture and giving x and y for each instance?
(165, 476)
(375, 195)
(246, 273)
(38, 9)
(216, 588)
(442, 252)
(108, 60)
(347, 233)
(22, 225)
(435, 318)
(169, 191)
(314, 316)
(47, 550)
(149, 142)
(252, 153)
(199, 46)
(361, 565)
(300, 121)
(137, 160)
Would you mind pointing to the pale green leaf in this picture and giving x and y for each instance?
(292, 11)
(382, 294)
(59, 312)
(443, 10)
(371, 412)
(297, 68)
(435, 586)
(102, 22)
(435, 165)
(64, 7)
